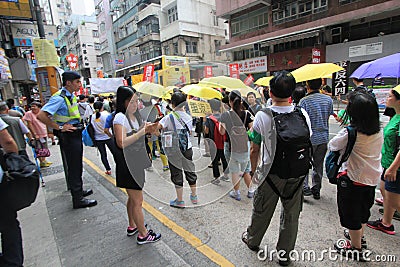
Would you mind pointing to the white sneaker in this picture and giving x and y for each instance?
(150, 169)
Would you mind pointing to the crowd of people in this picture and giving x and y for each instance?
(273, 143)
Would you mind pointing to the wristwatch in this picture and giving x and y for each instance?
(60, 127)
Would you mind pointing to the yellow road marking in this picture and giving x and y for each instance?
(182, 232)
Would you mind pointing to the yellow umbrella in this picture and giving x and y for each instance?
(149, 88)
(223, 82)
(201, 91)
(315, 71)
(264, 81)
(397, 89)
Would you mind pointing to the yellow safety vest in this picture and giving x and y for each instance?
(73, 109)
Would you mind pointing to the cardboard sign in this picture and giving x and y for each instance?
(199, 108)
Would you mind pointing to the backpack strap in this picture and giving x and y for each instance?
(173, 114)
(352, 136)
(272, 185)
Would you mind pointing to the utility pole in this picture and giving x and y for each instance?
(39, 19)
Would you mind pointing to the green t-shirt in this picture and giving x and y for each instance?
(389, 143)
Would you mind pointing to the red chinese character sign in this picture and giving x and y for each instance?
(72, 61)
(148, 73)
(316, 56)
(234, 70)
(208, 72)
(249, 79)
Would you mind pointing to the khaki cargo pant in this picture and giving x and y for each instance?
(264, 204)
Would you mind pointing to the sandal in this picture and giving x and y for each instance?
(246, 241)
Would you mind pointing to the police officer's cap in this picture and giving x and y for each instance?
(70, 76)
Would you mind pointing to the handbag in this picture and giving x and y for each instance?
(20, 183)
(332, 163)
(41, 150)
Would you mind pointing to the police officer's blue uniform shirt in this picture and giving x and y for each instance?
(57, 105)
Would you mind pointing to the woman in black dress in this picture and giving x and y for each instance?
(131, 160)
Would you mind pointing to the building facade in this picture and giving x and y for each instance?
(145, 29)
(81, 38)
(192, 29)
(285, 32)
(106, 37)
(56, 12)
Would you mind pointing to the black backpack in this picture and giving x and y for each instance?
(20, 183)
(293, 155)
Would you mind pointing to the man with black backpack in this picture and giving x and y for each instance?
(290, 163)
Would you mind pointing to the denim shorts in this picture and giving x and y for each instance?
(237, 162)
(393, 187)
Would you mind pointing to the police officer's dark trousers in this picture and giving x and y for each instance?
(72, 149)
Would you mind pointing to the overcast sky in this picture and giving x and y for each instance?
(83, 7)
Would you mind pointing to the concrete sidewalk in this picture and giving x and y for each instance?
(54, 234)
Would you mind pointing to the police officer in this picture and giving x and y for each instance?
(63, 107)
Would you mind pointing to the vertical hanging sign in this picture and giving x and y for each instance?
(316, 56)
(234, 70)
(208, 72)
(148, 73)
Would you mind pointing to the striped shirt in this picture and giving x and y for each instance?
(319, 107)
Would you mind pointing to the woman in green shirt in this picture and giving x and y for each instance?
(390, 185)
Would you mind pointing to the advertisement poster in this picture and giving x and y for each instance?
(46, 54)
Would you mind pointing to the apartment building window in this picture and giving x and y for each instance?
(172, 14)
(344, 2)
(176, 48)
(95, 33)
(251, 21)
(293, 10)
(129, 28)
(102, 27)
(215, 18)
(166, 50)
(97, 46)
(99, 59)
(191, 47)
(217, 44)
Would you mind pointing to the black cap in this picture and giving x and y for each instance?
(70, 76)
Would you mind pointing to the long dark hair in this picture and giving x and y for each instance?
(97, 107)
(363, 112)
(126, 93)
(236, 99)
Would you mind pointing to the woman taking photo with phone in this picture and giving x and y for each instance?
(131, 160)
